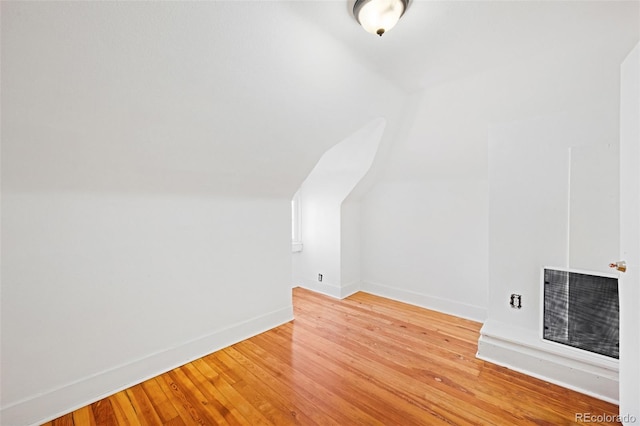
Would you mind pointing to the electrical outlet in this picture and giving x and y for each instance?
(516, 301)
(319, 277)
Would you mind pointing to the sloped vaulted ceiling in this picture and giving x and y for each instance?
(224, 97)
(244, 97)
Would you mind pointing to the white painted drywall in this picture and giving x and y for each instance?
(330, 233)
(529, 199)
(530, 206)
(350, 237)
(530, 166)
(92, 284)
(424, 226)
(320, 225)
(437, 176)
(425, 243)
(594, 184)
(528, 213)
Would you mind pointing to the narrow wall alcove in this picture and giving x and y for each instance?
(326, 259)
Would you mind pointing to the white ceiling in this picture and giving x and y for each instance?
(443, 40)
(244, 97)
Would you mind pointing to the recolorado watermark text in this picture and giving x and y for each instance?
(604, 418)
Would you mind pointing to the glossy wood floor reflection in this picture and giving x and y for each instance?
(363, 360)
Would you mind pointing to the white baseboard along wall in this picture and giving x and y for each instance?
(39, 409)
(521, 350)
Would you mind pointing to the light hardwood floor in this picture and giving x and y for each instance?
(363, 360)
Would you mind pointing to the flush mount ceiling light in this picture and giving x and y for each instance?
(379, 16)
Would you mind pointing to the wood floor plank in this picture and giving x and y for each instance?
(123, 409)
(263, 390)
(362, 360)
(445, 377)
(103, 412)
(66, 420)
(161, 403)
(182, 407)
(299, 384)
(176, 421)
(215, 399)
(234, 398)
(145, 412)
(404, 385)
(84, 416)
(192, 400)
(370, 336)
(335, 373)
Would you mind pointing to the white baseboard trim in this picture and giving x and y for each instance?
(332, 290)
(524, 351)
(54, 403)
(349, 289)
(323, 288)
(475, 313)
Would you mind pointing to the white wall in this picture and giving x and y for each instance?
(530, 172)
(320, 227)
(424, 222)
(425, 243)
(592, 191)
(329, 226)
(437, 176)
(350, 236)
(105, 290)
(528, 213)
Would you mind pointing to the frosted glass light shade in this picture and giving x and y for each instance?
(379, 16)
